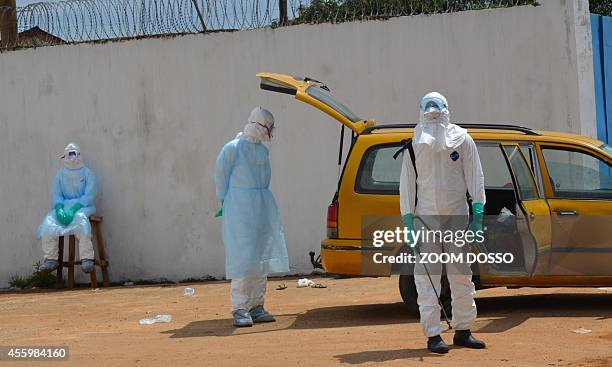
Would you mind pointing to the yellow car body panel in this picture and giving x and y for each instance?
(353, 206)
(343, 255)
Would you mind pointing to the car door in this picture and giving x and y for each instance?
(522, 226)
(580, 197)
(533, 220)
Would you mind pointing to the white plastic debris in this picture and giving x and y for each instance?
(128, 284)
(188, 292)
(156, 319)
(305, 282)
(505, 216)
(582, 330)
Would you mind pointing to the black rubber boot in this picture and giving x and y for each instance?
(435, 344)
(464, 338)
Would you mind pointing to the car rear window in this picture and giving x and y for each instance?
(324, 96)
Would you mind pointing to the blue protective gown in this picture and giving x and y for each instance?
(252, 230)
(71, 186)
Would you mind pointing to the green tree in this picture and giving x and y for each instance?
(602, 7)
(319, 11)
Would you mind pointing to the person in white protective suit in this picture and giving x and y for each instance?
(252, 230)
(447, 166)
(72, 200)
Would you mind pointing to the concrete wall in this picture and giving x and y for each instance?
(151, 116)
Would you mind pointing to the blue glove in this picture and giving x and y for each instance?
(220, 212)
(477, 217)
(408, 221)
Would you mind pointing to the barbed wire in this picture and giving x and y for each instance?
(88, 20)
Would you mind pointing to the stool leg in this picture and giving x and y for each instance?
(60, 281)
(71, 252)
(101, 254)
(93, 280)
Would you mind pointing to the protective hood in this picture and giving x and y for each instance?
(72, 157)
(434, 127)
(259, 127)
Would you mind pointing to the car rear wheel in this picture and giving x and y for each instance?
(409, 295)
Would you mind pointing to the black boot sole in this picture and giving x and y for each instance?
(469, 346)
(440, 351)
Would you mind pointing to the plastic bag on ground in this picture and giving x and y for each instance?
(305, 282)
(156, 319)
(188, 292)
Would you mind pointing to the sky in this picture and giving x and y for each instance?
(26, 2)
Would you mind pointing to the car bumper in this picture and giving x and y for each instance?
(345, 257)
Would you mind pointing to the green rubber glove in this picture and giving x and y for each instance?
(477, 217)
(220, 212)
(71, 212)
(60, 214)
(75, 208)
(408, 221)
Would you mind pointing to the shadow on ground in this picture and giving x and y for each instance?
(496, 315)
(379, 356)
(318, 318)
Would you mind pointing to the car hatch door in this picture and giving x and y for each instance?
(316, 94)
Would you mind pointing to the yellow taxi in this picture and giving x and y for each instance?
(549, 194)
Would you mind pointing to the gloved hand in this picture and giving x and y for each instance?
(477, 217)
(71, 212)
(60, 214)
(220, 212)
(408, 221)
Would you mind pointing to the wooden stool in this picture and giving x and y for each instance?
(96, 222)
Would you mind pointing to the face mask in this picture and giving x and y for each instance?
(72, 160)
(433, 116)
(269, 129)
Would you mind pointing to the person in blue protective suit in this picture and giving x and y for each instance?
(447, 166)
(252, 230)
(72, 202)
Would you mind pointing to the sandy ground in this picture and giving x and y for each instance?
(352, 322)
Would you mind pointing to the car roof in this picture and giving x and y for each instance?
(511, 133)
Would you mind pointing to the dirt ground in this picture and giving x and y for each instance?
(352, 322)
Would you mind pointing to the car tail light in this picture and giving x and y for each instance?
(332, 220)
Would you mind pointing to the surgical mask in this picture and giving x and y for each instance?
(72, 157)
(433, 107)
(260, 127)
(269, 129)
(433, 116)
(434, 128)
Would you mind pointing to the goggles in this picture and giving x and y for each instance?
(433, 105)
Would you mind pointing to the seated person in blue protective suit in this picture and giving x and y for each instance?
(72, 201)
(252, 230)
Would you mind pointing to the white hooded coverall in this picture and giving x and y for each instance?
(448, 165)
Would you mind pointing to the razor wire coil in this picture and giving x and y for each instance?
(89, 20)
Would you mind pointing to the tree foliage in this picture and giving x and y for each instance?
(602, 7)
(319, 11)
